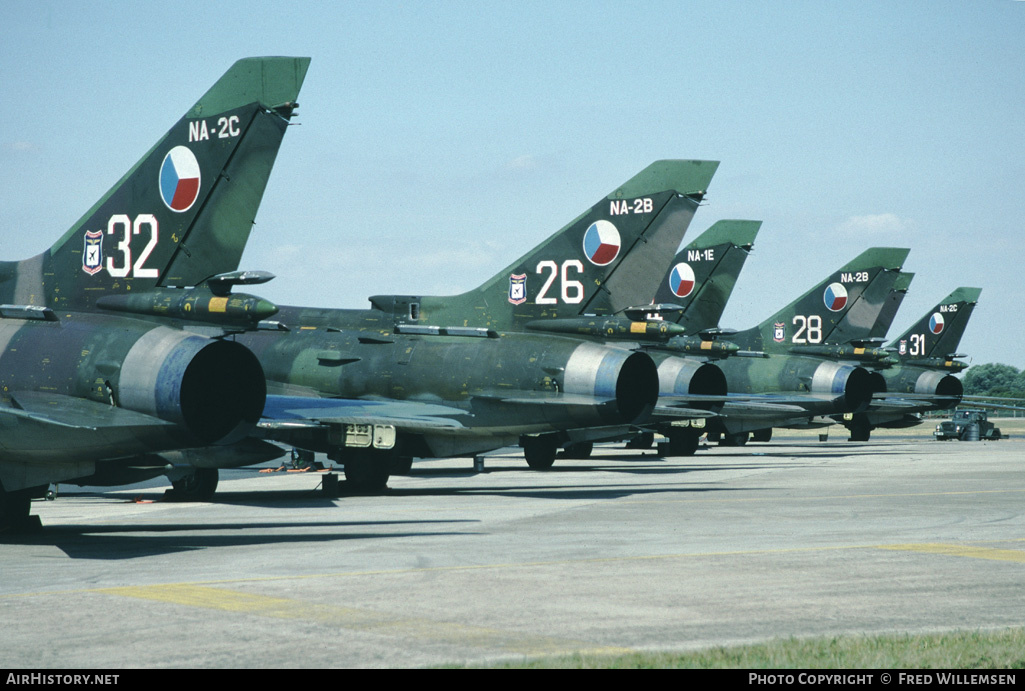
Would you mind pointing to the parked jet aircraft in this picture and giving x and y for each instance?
(92, 387)
(703, 274)
(502, 364)
(784, 355)
(693, 294)
(922, 378)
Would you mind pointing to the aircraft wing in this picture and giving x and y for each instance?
(754, 405)
(995, 406)
(284, 413)
(492, 412)
(905, 402)
(59, 411)
(898, 404)
(662, 413)
(994, 402)
(47, 437)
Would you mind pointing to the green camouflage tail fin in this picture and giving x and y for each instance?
(184, 211)
(813, 317)
(891, 305)
(608, 259)
(703, 274)
(937, 334)
(862, 320)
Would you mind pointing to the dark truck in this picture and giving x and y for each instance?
(967, 425)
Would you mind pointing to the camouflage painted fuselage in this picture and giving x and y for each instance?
(506, 384)
(93, 387)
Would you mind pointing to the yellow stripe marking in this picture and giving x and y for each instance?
(813, 497)
(962, 551)
(180, 592)
(358, 619)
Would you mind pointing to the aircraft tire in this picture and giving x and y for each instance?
(367, 473)
(579, 451)
(540, 452)
(14, 510)
(644, 440)
(683, 442)
(401, 465)
(738, 439)
(860, 430)
(201, 485)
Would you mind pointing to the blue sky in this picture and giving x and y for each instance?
(441, 140)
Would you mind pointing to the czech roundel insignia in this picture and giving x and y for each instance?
(92, 252)
(681, 280)
(601, 243)
(179, 179)
(835, 297)
(936, 322)
(779, 332)
(518, 289)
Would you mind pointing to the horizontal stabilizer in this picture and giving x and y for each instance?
(71, 412)
(292, 412)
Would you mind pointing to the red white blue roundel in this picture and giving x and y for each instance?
(936, 322)
(601, 243)
(835, 297)
(179, 179)
(681, 280)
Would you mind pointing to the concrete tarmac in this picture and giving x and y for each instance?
(617, 553)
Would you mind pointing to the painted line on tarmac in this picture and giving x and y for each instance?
(362, 620)
(168, 590)
(961, 551)
(810, 497)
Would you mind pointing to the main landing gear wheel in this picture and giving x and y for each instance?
(578, 451)
(644, 440)
(683, 442)
(738, 439)
(200, 485)
(367, 474)
(401, 465)
(860, 429)
(540, 452)
(14, 512)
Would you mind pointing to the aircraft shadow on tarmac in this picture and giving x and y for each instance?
(118, 541)
(134, 540)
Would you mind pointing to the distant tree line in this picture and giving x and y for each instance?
(994, 379)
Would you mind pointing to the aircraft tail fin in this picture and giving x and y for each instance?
(606, 260)
(703, 274)
(813, 318)
(185, 210)
(861, 321)
(891, 304)
(938, 333)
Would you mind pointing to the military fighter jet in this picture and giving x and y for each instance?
(96, 380)
(877, 334)
(692, 295)
(784, 355)
(517, 360)
(931, 344)
(704, 273)
(921, 378)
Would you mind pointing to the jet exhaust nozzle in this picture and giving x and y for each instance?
(214, 389)
(856, 384)
(683, 376)
(630, 378)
